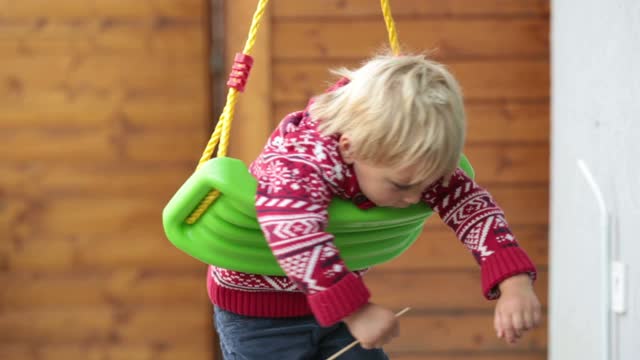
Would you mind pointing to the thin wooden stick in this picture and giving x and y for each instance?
(346, 348)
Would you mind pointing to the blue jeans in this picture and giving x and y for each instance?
(300, 338)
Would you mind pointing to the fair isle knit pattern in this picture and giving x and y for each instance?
(477, 220)
(298, 173)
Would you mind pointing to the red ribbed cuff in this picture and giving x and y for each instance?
(340, 300)
(504, 264)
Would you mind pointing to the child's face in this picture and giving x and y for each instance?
(389, 186)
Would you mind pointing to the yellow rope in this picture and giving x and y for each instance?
(222, 132)
(248, 48)
(223, 128)
(213, 141)
(391, 27)
(204, 205)
(229, 110)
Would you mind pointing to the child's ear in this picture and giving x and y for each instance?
(344, 145)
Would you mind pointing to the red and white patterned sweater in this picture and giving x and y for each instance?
(298, 173)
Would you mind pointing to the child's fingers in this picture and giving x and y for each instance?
(529, 323)
(507, 327)
(510, 335)
(517, 321)
(537, 316)
(497, 326)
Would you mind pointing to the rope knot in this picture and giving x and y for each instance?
(242, 64)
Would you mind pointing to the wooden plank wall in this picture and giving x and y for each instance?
(104, 111)
(499, 50)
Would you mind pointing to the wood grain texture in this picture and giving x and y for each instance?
(40, 178)
(499, 80)
(450, 38)
(426, 332)
(104, 111)
(451, 8)
(184, 325)
(112, 350)
(472, 355)
(437, 291)
(73, 9)
(118, 286)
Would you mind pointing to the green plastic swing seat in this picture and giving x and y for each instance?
(228, 235)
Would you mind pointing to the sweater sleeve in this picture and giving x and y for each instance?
(480, 224)
(291, 203)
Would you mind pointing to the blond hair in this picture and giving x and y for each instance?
(398, 111)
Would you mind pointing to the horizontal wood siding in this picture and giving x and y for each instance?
(105, 110)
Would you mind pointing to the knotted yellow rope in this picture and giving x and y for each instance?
(391, 27)
(224, 123)
(222, 132)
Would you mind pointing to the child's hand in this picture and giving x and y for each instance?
(373, 326)
(518, 308)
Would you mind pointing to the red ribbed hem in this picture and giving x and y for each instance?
(271, 304)
(504, 264)
(340, 300)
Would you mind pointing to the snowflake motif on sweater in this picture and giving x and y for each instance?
(298, 173)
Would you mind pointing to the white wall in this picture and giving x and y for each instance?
(595, 117)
